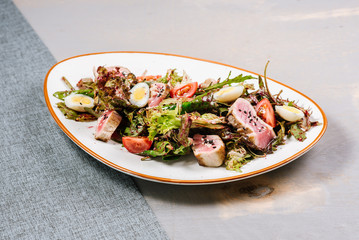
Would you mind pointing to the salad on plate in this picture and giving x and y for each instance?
(225, 122)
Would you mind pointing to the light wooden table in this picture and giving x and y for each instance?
(313, 47)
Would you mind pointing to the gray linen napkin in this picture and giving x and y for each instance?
(50, 188)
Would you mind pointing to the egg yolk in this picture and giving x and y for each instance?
(81, 100)
(291, 109)
(224, 91)
(139, 94)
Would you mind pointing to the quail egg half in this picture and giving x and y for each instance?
(228, 94)
(140, 94)
(288, 113)
(79, 102)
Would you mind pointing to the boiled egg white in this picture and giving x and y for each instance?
(78, 102)
(228, 94)
(140, 94)
(288, 113)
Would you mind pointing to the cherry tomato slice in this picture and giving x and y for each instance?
(265, 111)
(187, 90)
(136, 144)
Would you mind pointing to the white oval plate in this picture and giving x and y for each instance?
(185, 170)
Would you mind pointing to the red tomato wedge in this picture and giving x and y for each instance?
(265, 111)
(136, 144)
(187, 90)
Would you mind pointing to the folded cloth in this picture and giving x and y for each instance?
(50, 188)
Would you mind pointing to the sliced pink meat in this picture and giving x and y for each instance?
(209, 150)
(243, 117)
(107, 124)
(159, 91)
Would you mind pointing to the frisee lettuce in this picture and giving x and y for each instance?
(160, 122)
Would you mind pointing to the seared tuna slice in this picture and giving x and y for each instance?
(209, 150)
(242, 116)
(107, 124)
(159, 91)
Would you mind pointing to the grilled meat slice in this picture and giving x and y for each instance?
(209, 150)
(159, 91)
(107, 124)
(242, 116)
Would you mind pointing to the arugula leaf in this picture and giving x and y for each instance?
(198, 105)
(72, 114)
(62, 94)
(297, 132)
(68, 84)
(280, 136)
(291, 104)
(92, 112)
(266, 83)
(240, 78)
(68, 113)
(260, 82)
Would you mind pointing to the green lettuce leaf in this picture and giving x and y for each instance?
(171, 77)
(62, 94)
(167, 150)
(68, 113)
(260, 82)
(137, 123)
(72, 114)
(280, 136)
(160, 122)
(199, 105)
(160, 148)
(236, 157)
(297, 132)
(177, 153)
